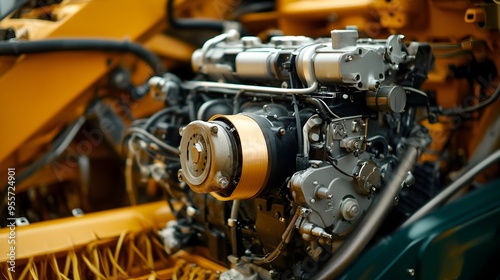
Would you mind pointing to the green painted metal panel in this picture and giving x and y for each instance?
(458, 241)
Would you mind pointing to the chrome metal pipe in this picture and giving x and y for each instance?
(453, 188)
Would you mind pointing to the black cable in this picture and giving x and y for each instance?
(300, 141)
(191, 23)
(286, 237)
(338, 168)
(59, 146)
(139, 131)
(57, 45)
(158, 115)
(470, 109)
(323, 109)
(295, 104)
(171, 206)
(253, 7)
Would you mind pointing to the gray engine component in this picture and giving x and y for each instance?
(343, 60)
(337, 196)
(284, 129)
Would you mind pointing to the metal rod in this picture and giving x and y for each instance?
(453, 188)
(308, 75)
(234, 227)
(203, 84)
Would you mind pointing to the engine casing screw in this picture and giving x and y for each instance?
(223, 182)
(214, 130)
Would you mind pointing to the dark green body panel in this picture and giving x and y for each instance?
(459, 241)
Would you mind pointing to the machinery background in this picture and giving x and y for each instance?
(91, 116)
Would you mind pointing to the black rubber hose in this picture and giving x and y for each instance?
(253, 7)
(57, 45)
(474, 108)
(216, 25)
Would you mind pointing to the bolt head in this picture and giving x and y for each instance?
(223, 182)
(353, 210)
(214, 130)
(350, 209)
(196, 152)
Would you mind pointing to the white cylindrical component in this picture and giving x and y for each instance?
(327, 67)
(254, 65)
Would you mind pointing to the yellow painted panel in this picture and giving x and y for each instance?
(39, 87)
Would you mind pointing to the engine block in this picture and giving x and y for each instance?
(298, 132)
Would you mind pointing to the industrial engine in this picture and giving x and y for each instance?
(292, 139)
(247, 140)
